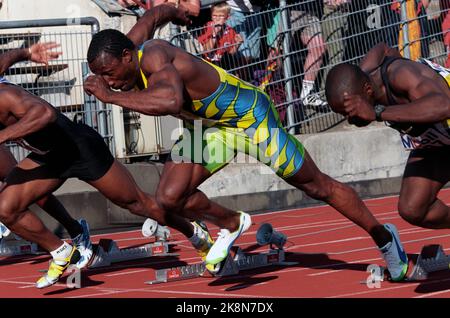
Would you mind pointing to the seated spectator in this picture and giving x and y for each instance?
(218, 37)
(304, 19)
(246, 21)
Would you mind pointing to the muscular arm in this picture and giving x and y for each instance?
(32, 114)
(146, 26)
(376, 55)
(12, 57)
(430, 97)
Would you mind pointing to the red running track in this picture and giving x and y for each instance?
(332, 254)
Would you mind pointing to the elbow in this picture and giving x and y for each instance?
(174, 105)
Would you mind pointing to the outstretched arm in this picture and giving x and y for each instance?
(164, 95)
(31, 112)
(39, 53)
(146, 26)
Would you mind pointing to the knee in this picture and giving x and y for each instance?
(169, 199)
(9, 211)
(412, 212)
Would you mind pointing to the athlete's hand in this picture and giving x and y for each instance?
(179, 16)
(97, 86)
(358, 110)
(42, 52)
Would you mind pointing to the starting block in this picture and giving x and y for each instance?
(432, 258)
(106, 252)
(18, 247)
(13, 245)
(235, 262)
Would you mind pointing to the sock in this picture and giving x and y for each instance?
(381, 236)
(385, 247)
(75, 229)
(307, 87)
(61, 253)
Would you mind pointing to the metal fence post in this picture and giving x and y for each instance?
(404, 17)
(287, 67)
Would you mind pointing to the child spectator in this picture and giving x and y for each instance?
(219, 38)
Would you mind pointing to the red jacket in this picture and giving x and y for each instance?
(224, 44)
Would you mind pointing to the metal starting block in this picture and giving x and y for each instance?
(432, 258)
(236, 261)
(106, 252)
(13, 247)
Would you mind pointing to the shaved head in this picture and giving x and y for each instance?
(344, 78)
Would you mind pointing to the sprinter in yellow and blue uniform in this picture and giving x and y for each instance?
(245, 120)
(160, 79)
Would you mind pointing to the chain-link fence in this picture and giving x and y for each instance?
(288, 49)
(61, 82)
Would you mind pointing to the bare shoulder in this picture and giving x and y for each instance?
(406, 70)
(407, 76)
(10, 93)
(156, 55)
(13, 97)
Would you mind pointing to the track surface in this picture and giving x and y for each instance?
(332, 253)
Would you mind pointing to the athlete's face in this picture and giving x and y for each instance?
(120, 73)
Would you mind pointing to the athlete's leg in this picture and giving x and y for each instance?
(119, 186)
(21, 190)
(425, 174)
(56, 210)
(178, 193)
(49, 204)
(320, 186)
(7, 161)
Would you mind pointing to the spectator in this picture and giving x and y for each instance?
(245, 20)
(334, 28)
(218, 37)
(304, 18)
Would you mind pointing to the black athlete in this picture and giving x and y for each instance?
(413, 98)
